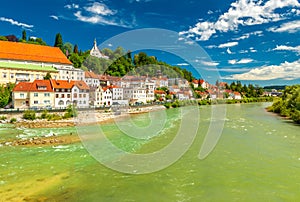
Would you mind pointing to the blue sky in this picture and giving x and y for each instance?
(247, 40)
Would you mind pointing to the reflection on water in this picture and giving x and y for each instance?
(257, 158)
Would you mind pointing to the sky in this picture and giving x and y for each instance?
(253, 41)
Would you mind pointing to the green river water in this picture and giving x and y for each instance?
(256, 159)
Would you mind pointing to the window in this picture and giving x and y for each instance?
(36, 102)
(47, 102)
(84, 95)
(75, 95)
(68, 95)
(4, 75)
(35, 94)
(62, 95)
(12, 75)
(56, 95)
(22, 95)
(80, 95)
(46, 94)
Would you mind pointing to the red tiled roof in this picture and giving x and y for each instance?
(62, 84)
(31, 52)
(22, 87)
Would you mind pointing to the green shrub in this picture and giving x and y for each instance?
(44, 114)
(54, 117)
(3, 118)
(13, 120)
(29, 115)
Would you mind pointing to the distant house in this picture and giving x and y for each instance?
(237, 96)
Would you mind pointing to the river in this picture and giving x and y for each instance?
(257, 158)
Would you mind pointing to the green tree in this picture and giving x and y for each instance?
(3, 38)
(58, 41)
(48, 76)
(75, 49)
(24, 35)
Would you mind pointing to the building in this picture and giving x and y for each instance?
(63, 94)
(96, 52)
(36, 94)
(80, 94)
(103, 97)
(17, 65)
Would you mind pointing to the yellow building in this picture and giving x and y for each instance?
(37, 94)
(28, 62)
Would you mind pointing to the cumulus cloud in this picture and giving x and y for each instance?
(241, 13)
(95, 19)
(14, 22)
(286, 71)
(99, 9)
(228, 45)
(99, 13)
(290, 27)
(288, 48)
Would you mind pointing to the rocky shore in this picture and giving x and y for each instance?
(44, 141)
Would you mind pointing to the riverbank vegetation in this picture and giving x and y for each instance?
(289, 104)
(69, 113)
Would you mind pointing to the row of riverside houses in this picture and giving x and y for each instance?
(27, 64)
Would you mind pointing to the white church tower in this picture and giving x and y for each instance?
(96, 52)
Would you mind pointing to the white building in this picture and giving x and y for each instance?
(80, 94)
(63, 94)
(103, 97)
(96, 52)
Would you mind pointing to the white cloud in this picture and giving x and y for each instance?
(99, 9)
(183, 64)
(241, 13)
(229, 51)
(288, 48)
(14, 22)
(210, 63)
(96, 19)
(242, 61)
(286, 71)
(290, 27)
(247, 35)
(54, 17)
(72, 6)
(228, 45)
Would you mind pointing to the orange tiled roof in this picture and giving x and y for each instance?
(82, 85)
(62, 84)
(22, 87)
(31, 52)
(41, 86)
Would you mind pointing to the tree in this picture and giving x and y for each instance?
(68, 48)
(58, 41)
(3, 38)
(48, 76)
(24, 35)
(75, 49)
